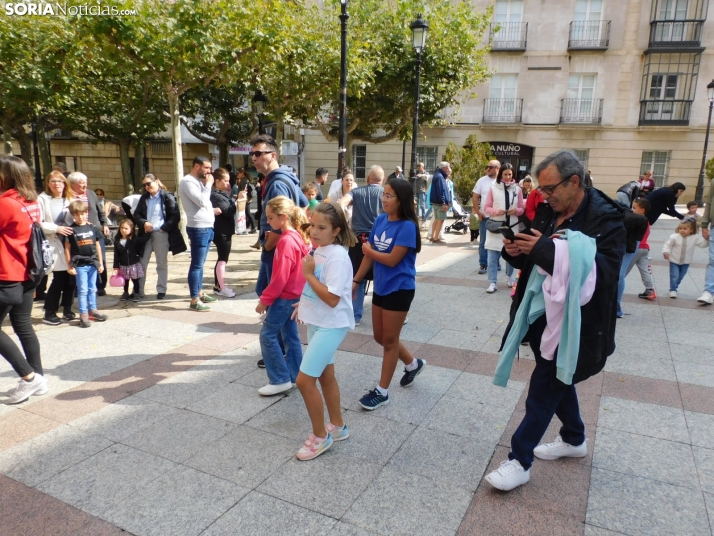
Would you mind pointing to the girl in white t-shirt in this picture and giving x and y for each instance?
(326, 307)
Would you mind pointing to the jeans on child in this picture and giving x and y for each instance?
(86, 288)
(676, 274)
(709, 277)
(626, 259)
(281, 368)
(358, 302)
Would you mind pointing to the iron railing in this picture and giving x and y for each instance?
(581, 111)
(589, 35)
(502, 110)
(665, 112)
(509, 35)
(675, 33)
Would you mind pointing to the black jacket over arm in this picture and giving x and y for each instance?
(170, 210)
(225, 223)
(132, 252)
(603, 221)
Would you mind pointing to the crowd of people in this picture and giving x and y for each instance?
(318, 254)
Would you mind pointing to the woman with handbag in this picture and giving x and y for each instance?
(54, 203)
(504, 204)
(18, 211)
(224, 227)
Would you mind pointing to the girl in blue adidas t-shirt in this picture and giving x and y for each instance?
(393, 244)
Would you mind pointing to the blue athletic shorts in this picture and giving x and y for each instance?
(322, 343)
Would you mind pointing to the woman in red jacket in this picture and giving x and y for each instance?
(18, 210)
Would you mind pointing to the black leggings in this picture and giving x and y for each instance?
(223, 248)
(21, 320)
(136, 286)
(249, 222)
(62, 285)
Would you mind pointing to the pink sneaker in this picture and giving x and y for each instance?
(313, 447)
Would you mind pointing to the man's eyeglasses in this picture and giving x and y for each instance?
(550, 189)
(493, 167)
(258, 154)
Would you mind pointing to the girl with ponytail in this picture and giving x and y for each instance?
(278, 298)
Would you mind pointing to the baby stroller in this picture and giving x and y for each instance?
(462, 219)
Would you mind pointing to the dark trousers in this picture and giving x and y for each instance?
(41, 288)
(474, 234)
(102, 278)
(62, 285)
(546, 397)
(249, 222)
(136, 286)
(223, 249)
(21, 320)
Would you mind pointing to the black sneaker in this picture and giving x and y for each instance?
(69, 315)
(135, 298)
(482, 269)
(125, 296)
(410, 375)
(94, 316)
(52, 320)
(101, 292)
(160, 296)
(261, 364)
(373, 400)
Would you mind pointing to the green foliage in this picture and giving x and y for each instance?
(709, 169)
(468, 163)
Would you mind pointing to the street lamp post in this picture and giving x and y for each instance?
(699, 196)
(342, 137)
(419, 28)
(259, 101)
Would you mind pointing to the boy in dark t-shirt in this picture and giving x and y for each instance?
(80, 249)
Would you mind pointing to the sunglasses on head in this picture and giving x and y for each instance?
(258, 154)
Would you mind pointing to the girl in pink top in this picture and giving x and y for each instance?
(286, 283)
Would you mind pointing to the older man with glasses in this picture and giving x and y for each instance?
(157, 213)
(483, 185)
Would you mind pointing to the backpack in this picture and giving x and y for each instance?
(39, 258)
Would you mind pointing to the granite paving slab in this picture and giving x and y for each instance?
(184, 389)
(704, 460)
(235, 403)
(479, 388)
(701, 428)
(695, 373)
(643, 419)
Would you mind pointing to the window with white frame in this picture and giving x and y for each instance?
(359, 161)
(588, 18)
(508, 15)
(658, 163)
(502, 101)
(581, 94)
(428, 155)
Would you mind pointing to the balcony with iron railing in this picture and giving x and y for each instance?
(675, 34)
(502, 110)
(589, 35)
(509, 36)
(665, 112)
(581, 111)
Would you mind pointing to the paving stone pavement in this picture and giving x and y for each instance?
(153, 425)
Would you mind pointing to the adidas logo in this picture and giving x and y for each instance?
(382, 242)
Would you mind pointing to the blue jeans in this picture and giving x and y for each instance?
(494, 259)
(281, 368)
(86, 288)
(265, 272)
(358, 302)
(546, 397)
(422, 206)
(626, 260)
(709, 277)
(676, 274)
(200, 238)
(482, 255)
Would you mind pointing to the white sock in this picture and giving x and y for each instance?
(412, 366)
(383, 392)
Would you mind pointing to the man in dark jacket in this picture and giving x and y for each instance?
(570, 206)
(78, 183)
(158, 214)
(627, 193)
(440, 199)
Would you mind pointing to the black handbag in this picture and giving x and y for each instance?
(11, 292)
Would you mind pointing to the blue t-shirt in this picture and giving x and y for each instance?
(384, 236)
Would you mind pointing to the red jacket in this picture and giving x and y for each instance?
(534, 199)
(287, 280)
(16, 217)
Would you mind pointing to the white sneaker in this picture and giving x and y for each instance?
(508, 476)
(706, 298)
(492, 288)
(406, 320)
(272, 390)
(560, 449)
(25, 390)
(672, 293)
(226, 292)
(511, 282)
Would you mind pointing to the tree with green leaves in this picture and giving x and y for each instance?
(468, 163)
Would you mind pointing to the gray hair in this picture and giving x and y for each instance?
(375, 174)
(567, 164)
(444, 165)
(77, 176)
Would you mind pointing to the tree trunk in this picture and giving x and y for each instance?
(139, 154)
(25, 142)
(222, 153)
(6, 137)
(43, 148)
(124, 145)
(177, 152)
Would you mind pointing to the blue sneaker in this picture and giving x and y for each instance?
(620, 314)
(373, 400)
(338, 434)
(410, 375)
